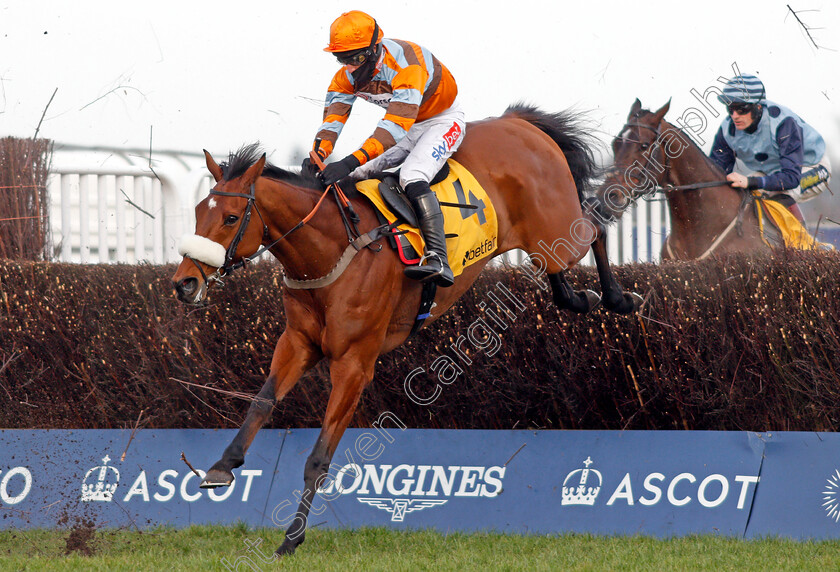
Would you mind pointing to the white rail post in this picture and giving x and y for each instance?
(103, 183)
(138, 218)
(642, 228)
(613, 242)
(656, 236)
(66, 189)
(125, 185)
(626, 223)
(157, 209)
(84, 217)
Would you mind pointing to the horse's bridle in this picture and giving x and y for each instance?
(638, 191)
(243, 224)
(229, 265)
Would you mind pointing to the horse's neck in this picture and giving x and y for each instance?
(692, 165)
(311, 250)
(702, 211)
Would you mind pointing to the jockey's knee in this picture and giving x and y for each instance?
(409, 175)
(416, 189)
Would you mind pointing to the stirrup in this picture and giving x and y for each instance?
(426, 257)
(442, 275)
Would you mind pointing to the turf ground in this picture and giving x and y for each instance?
(205, 547)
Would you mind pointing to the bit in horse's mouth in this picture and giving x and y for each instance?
(200, 303)
(197, 301)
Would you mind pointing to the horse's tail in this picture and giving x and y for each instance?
(566, 129)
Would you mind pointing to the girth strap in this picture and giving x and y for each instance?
(343, 262)
(427, 302)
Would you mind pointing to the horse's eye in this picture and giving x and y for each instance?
(644, 146)
(230, 220)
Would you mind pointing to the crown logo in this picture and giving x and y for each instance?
(102, 489)
(578, 489)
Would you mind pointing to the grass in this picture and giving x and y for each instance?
(204, 547)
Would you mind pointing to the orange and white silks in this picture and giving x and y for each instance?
(411, 85)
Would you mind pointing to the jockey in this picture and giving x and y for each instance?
(422, 127)
(774, 143)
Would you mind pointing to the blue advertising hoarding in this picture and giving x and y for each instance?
(658, 483)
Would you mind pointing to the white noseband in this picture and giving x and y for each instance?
(202, 249)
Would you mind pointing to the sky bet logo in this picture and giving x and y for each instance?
(411, 488)
(449, 140)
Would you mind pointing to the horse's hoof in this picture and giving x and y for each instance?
(593, 298)
(636, 299)
(286, 549)
(216, 478)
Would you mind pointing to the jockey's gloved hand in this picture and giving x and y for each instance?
(336, 171)
(308, 168)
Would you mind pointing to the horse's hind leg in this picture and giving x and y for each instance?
(613, 297)
(567, 298)
(291, 359)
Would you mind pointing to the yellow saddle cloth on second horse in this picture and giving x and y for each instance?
(475, 230)
(794, 234)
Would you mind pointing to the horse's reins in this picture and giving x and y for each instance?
(637, 192)
(691, 187)
(229, 266)
(667, 188)
(355, 239)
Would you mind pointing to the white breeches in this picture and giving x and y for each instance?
(423, 150)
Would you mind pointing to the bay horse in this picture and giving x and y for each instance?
(707, 214)
(533, 165)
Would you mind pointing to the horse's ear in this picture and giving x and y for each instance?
(212, 166)
(637, 107)
(254, 171)
(660, 113)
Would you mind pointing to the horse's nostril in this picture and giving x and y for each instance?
(187, 286)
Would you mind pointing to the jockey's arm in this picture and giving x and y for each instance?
(791, 158)
(400, 114)
(722, 154)
(390, 158)
(337, 107)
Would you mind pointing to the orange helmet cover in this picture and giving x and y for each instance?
(352, 31)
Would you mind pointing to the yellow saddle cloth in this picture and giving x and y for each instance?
(793, 233)
(476, 229)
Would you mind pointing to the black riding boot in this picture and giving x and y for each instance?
(436, 265)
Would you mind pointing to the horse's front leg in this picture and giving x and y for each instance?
(349, 376)
(293, 356)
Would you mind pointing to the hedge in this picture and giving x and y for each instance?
(732, 344)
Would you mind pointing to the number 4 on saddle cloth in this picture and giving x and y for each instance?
(470, 220)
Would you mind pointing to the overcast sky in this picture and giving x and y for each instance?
(217, 74)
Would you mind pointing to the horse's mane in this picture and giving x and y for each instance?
(240, 160)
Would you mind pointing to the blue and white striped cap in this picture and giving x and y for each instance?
(744, 88)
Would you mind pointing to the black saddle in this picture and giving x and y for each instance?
(396, 199)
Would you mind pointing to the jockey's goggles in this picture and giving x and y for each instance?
(354, 58)
(739, 108)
